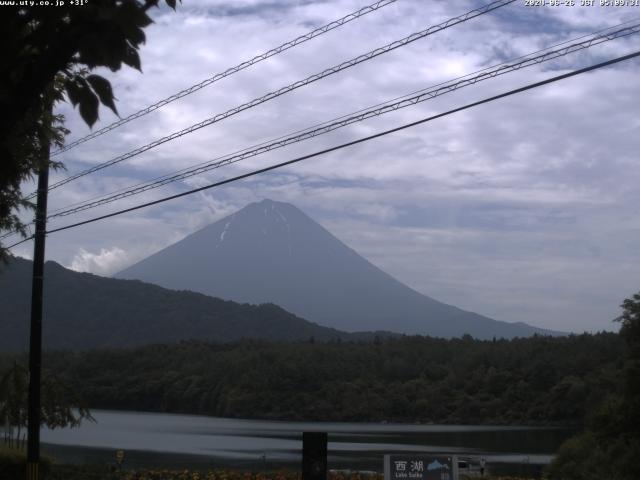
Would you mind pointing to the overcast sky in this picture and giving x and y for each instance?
(524, 209)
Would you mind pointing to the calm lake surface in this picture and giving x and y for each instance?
(166, 440)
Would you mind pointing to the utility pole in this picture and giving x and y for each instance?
(314, 455)
(35, 340)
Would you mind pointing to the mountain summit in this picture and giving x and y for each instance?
(271, 252)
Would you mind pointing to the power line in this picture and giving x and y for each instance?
(354, 142)
(327, 127)
(8, 234)
(611, 34)
(230, 71)
(597, 37)
(300, 83)
(21, 241)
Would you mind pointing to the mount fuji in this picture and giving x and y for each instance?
(271, 252)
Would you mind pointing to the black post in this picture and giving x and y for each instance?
(35, 342)
(314, 456)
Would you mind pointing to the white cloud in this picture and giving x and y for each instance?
(106, 262)
(480, 209)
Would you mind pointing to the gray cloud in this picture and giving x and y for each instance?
(524, 209)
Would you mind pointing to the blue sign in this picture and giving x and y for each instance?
(420, 467)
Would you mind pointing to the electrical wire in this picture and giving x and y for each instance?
(277, 93)
(143, 186)
(351, 143)
(230, 71)
(8, 234)
(18, 243)
(610, 30)
(327, 127)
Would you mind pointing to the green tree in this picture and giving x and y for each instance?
(48, 51)
(610, 446)
(61, 406)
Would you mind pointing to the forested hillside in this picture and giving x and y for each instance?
(609, 446)
(83, 311)
(540, 380)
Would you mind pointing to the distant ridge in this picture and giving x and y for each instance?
(272, 252)
(84, 311)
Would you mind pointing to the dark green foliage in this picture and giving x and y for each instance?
(610, 446)
(406, 379)
(42, 47)
(83, 311)
(13, 464)
(60, 405)
(590, 457)
(102, 88)
(22, 156)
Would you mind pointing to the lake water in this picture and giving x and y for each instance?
(166, 440)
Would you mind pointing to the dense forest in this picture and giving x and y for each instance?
(609, 446)
(539, 380)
